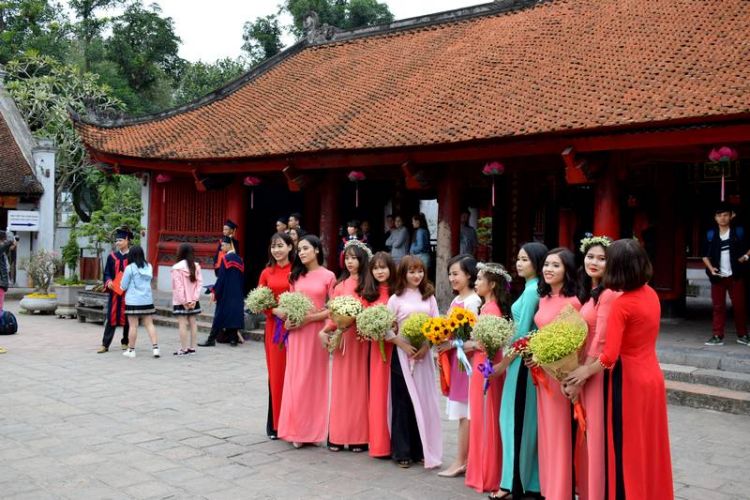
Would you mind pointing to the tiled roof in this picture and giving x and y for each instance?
(16, 176)
(558, 66)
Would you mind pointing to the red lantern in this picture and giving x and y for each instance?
(356, 176)
(162, 178)
(251, 182)
(493, 169)
(722, 155)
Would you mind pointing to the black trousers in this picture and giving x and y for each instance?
(109, 334)
(405, 441)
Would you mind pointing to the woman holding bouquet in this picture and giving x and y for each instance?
(415, 414)
(518, 416)
(633, 382)
(483, 464)
(558, 289)
(349, 384)
(379, 286)
(597, 302)
(462, 273)
(276, 277)
(304, 407)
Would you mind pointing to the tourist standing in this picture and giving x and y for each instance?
(6, 246)
(415, 405)
(352, 233)
(398, 240)
(295, 219)
(117, 261)
(380, 286)
(351, 365)
(468, 240)
(637, 422)
(462, 274)
(276, 277)
(485, 449)
(139, 301)
(304, 408)
(597, 302)
(186, 292)
(228, 231)
(558, 290)
(281, 225)
(518, 414)
(420, 243)
(725, 253)
(294, 235)
(228, 293)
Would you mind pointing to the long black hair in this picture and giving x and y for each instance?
(536, 252)
(570, 283)
(186, 253)
(287, 241)
(362, 272)
(468, 264)
(137, 257)
(586, 288)
(298, 268)
(371, 292)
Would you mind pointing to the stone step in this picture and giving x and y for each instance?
(713, 358)
(205, 326)
(722, 379)
(707, 396)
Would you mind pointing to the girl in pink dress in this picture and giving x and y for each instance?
(304, 407)
(415, 405)
(485, 448)
(380, 286)
(557, 289)
(597, 303)
(350, 369)
(462, 273)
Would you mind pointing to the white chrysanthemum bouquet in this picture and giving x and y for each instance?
(295, 306)
(260, 299)
(373, 323)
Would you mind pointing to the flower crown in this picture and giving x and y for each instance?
(360, 244)
(496, 269)
(590, 240)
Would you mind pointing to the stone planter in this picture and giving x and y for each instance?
(67, 300)
(41, 304)
(91, 306)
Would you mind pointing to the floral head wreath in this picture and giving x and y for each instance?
(590, 240)
(358, 243)
(495, 269)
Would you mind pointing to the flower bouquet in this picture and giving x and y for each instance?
(260, 299)
(460, 323)
(492, 333)
(521, 348)
(412, 331)
(344, 310)
(373, 323)
(295, 306)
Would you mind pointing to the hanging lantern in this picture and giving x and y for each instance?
(356, 176)
(493, 169)
(251, 182)
(723, 155)
(162, 178)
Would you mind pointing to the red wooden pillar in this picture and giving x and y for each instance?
(606, 204)
(330, 218)
(450, 189)
(155, 222)
(236, 211)
(566, 227)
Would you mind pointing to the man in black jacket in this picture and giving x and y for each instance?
(725, 253)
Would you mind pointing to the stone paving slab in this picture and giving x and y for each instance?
(76, 424)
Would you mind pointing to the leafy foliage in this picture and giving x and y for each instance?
(32, 26)
(41, 267)
(344, 14)
(198, 79)
(262, 38)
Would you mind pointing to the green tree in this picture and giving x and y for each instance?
(90, 23)
(344, 14)
(262, 38)
(34, 26)
(198, 79)
(44, 91)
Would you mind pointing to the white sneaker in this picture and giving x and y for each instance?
(129, 353)
(156, 352)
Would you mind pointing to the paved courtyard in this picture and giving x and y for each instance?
(76, 424)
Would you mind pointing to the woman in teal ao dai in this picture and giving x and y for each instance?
(518, 414)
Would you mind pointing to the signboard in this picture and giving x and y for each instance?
(23, 220)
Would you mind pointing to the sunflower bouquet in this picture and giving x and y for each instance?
(460, 321)
(295, 306)
(436, 330)
(373, 323)
(260, 299)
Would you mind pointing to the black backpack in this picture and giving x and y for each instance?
(8, 323)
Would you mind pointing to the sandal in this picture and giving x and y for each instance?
(496, 495)
(357, 449)
(404, 464)
(298, 445)
(333, 447)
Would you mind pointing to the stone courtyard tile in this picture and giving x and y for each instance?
(226, 450)
(224, 433)
(153, 489)
(202, 441)
(204, 462)
(180, 452)
(178, 476)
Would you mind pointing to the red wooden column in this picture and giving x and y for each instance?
(330, 218)
(155, 222)
(450, 189)
(566, 227)
(606, 203)
(236, 211)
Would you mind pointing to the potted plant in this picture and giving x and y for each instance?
(67, 290)
(484, 235)
(41, 267)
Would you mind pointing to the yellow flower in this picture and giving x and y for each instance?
(453, 324)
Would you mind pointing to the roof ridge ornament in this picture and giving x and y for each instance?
(315, 32)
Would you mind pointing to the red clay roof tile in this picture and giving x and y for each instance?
(16, 176)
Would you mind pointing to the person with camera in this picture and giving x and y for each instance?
(6, 246)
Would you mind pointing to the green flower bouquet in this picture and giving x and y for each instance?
(493, 333)
(373, 323)
(260, 299)
(555, 347)
(411, 330)
(295, 306)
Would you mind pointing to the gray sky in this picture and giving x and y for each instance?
(213, 29)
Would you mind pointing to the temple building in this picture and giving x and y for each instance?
(592, 115)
